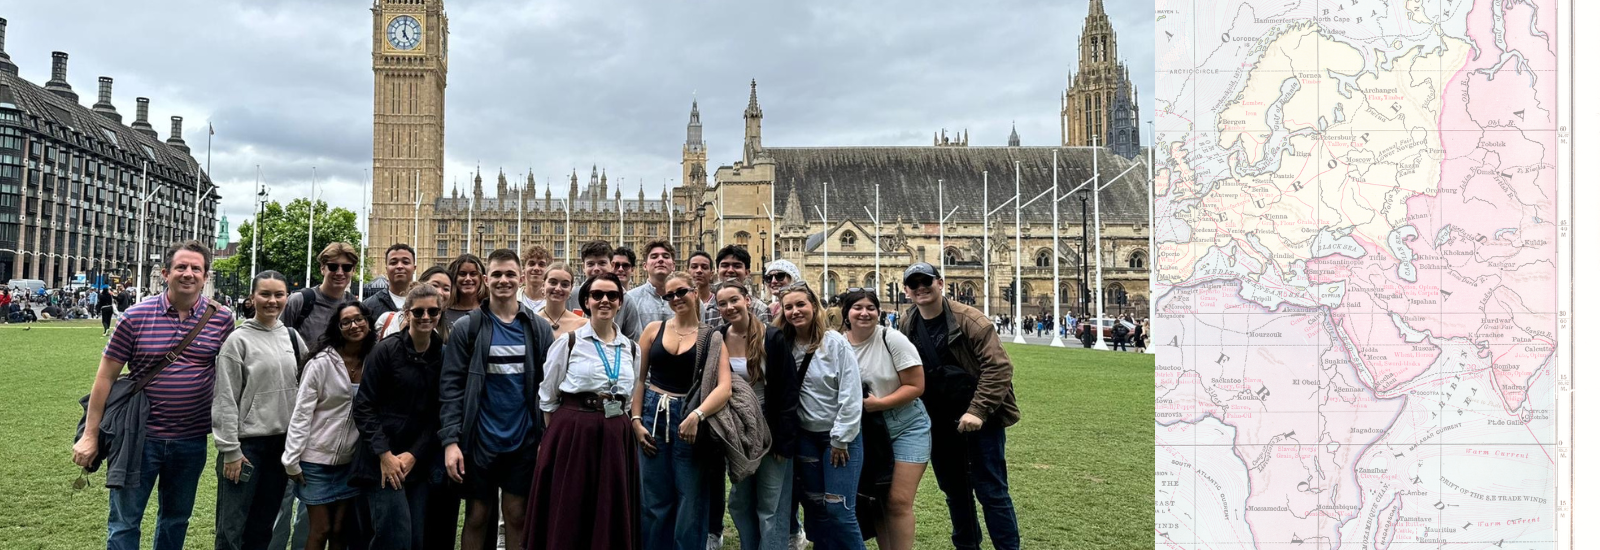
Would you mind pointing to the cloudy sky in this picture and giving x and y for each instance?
(550, 86)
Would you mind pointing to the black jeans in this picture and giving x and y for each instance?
(246, 510)
(974, 463)
(398, 515)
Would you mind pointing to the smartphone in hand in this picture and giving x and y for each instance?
(245, 471)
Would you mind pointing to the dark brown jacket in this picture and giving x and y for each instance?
(973, 342)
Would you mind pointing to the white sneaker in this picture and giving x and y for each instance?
(713, 542)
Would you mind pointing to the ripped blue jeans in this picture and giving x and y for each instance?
(828, 492)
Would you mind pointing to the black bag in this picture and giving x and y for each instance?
(114, 416)
(877, 472)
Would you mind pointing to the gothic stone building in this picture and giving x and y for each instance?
(791, 182)
(1100, 105)
(72, 180)
(410, 61)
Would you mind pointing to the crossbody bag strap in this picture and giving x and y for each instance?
(173, 355)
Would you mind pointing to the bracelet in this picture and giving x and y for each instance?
(700, 414)
(639, 418)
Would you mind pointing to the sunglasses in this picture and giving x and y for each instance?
(676, 294)
(917, 283)
(339, 268)
(605, 295)
(777, 277)
(621, 266)
(425, 312)
(861, 289)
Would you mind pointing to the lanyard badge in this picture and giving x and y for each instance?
(613, 369)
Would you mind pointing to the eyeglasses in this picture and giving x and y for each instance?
(916, 283)
(676, 294)
(339, 268)
(605, 295)
(425, 312)
(347, 323)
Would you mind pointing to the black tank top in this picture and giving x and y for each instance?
(670, 372)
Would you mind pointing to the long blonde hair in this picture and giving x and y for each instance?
(755, 338)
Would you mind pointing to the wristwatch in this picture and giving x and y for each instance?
(700, 414)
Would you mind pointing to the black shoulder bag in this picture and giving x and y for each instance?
(124, 388)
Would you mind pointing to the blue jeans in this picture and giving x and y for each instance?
(294, 522)
(246, 509)
(173, 465)
(828, 492)
(760, 505)
(398, 515)
(975, 463)
(672, 496)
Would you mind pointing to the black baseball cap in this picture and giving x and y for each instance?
(921, 268)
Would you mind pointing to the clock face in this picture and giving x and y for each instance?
(404, 32)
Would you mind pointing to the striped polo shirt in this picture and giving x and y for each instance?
(180, 397)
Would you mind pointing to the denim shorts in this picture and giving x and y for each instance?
(324, 484)
(909, 432)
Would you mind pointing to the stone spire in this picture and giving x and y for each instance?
(696, 142)
(477, 186)
(500, 190)
(602, 184)
(176, 139)
(752, 128)
(104, 106)
(793, 216)
(1015, 140)
(6, 66)
(141, 121)
(572, 194)
(58, 77)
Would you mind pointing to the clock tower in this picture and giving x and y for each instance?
(410, 58)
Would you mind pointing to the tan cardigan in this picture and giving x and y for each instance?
(740, 427)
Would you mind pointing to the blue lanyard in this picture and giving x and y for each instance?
(613, 372)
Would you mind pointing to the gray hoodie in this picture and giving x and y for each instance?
(256, 385)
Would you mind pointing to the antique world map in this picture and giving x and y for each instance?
(1357, 216)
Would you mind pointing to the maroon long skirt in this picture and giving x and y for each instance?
(586, 484)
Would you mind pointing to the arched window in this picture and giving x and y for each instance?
(1027, 291)
(742, 239)
(870, 280)
(1042, 259)
(952, 256)
(847, 240)
(830, 286)
(1136, 260)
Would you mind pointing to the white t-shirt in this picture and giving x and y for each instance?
(880, 364)
(399, 300)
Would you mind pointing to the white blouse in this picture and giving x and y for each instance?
(585, 372)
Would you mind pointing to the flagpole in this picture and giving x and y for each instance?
(877, 238)
(311, 228)
(471, 205)
(941, 227)
(986, 282)
(826, 229)
(1099, 282)
(144, 221)
(366, 237)
(622, 222)
(1016, 258)
(1055, 246)
(521, 205)
(672, 234)
(255, 237)
(416, 208)
(1150, 181)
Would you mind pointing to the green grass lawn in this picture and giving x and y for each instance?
(1081, 460)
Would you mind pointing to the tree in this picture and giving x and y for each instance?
(283, 247)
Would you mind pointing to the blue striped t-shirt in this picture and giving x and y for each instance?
(504, 418)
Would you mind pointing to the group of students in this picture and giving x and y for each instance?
(608, 415)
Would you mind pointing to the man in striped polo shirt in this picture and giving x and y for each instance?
(180, 401)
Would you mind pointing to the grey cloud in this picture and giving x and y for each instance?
(557, 86)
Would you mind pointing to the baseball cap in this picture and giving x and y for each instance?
(920, 268)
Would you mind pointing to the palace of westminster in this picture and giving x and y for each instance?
(730, 205)
(71, 177)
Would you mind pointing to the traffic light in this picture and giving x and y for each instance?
(1122, 297)
(1010, 293)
